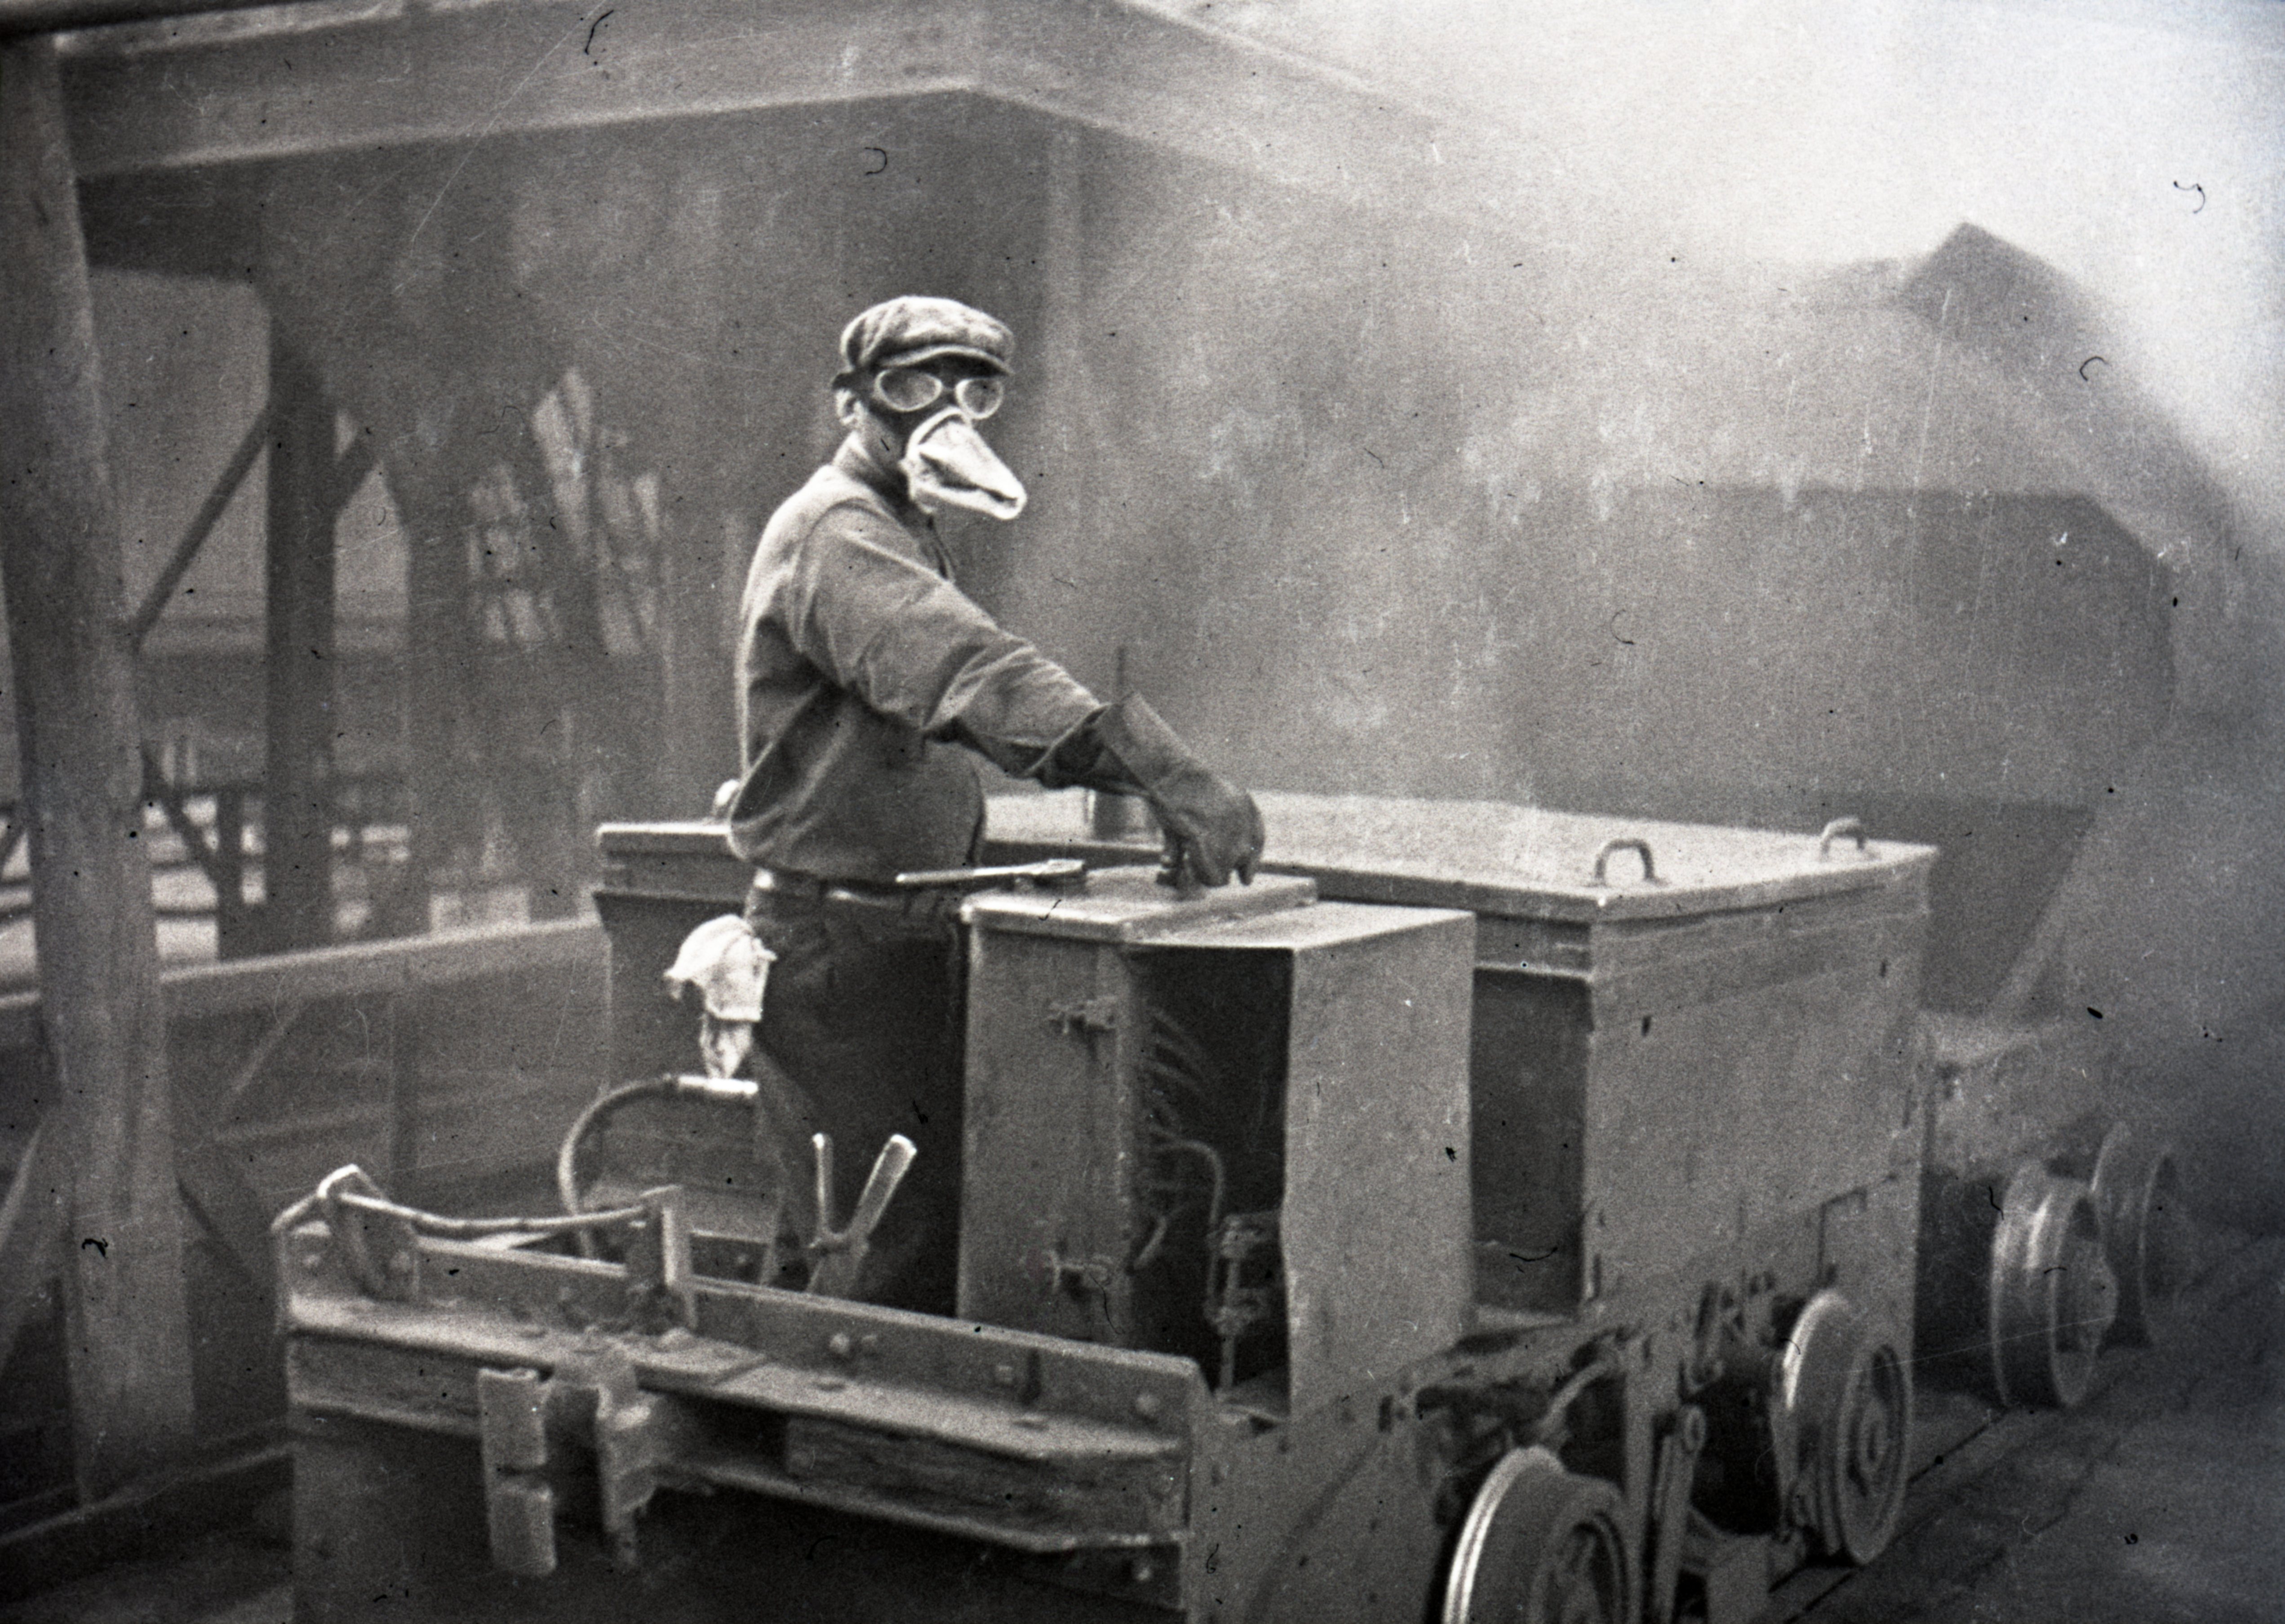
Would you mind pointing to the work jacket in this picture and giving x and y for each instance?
(861, 668)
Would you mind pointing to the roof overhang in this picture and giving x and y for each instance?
(346, 76)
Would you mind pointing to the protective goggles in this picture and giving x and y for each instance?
(908, 388)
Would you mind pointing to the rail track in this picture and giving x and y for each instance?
(2000, 1502)
(2130, 1506)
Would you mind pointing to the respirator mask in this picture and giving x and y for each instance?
(947, 462)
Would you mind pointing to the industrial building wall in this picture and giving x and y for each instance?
(1362, 499)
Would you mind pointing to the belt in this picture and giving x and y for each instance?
(776, 887)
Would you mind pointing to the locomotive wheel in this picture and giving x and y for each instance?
(1848, 1396)
(2052, 1295)
(2146, 1229)
(1541, 1545)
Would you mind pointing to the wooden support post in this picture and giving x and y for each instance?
(689, 668)
(230, 932)
(1065, 375)
(1063, 284)
(401, 1024)
(31, 1227)
(297, 817)
(435, 660)
(76, 735)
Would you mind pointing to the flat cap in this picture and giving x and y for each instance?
(908, 330)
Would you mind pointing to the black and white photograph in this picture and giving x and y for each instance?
(1233, 811)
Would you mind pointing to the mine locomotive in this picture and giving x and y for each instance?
(1493, 1212)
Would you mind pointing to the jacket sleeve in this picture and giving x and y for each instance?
(880, 622)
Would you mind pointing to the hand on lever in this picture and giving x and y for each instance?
(1213, 829)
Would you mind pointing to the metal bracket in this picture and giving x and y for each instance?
(1086, 1015)
(519, 1500)
(1635, 844)
(395, 1275)
(1245, 1283)
(1842, 829)
(1087, 1279)
(1079, 1276)
(659, 1288)
(1677, 1470)
(533, 1431)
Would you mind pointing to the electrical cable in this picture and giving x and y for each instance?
(1219, 1181)
(567, 1158)
(446, 1228)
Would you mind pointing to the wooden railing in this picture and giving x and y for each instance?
(448, 1065)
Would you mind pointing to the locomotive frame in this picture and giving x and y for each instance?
(1580, 1282)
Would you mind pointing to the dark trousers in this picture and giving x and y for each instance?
(863, 1013)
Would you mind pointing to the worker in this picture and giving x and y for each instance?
(865, 677)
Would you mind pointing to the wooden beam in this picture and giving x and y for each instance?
(697, 750)
(441, 960)
(434, 646)
(234, 933)
(403, 1041)
(151, 1519)
(32, 1212)
(351, 469)
(83, 805)
(210, 511)
(380, 78)
(409, 964)
(31, 1224)
(46, 16)
(297, 797)
(227, 1208)
(156, 787)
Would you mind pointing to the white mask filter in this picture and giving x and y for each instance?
(949, 464)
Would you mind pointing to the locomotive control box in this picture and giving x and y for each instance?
(1227, 1114)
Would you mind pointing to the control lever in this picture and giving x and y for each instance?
(1048, 873)
(841, 1253)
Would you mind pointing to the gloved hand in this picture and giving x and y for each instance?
(1213, 826)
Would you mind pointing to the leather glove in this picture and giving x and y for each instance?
(1214, 828)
